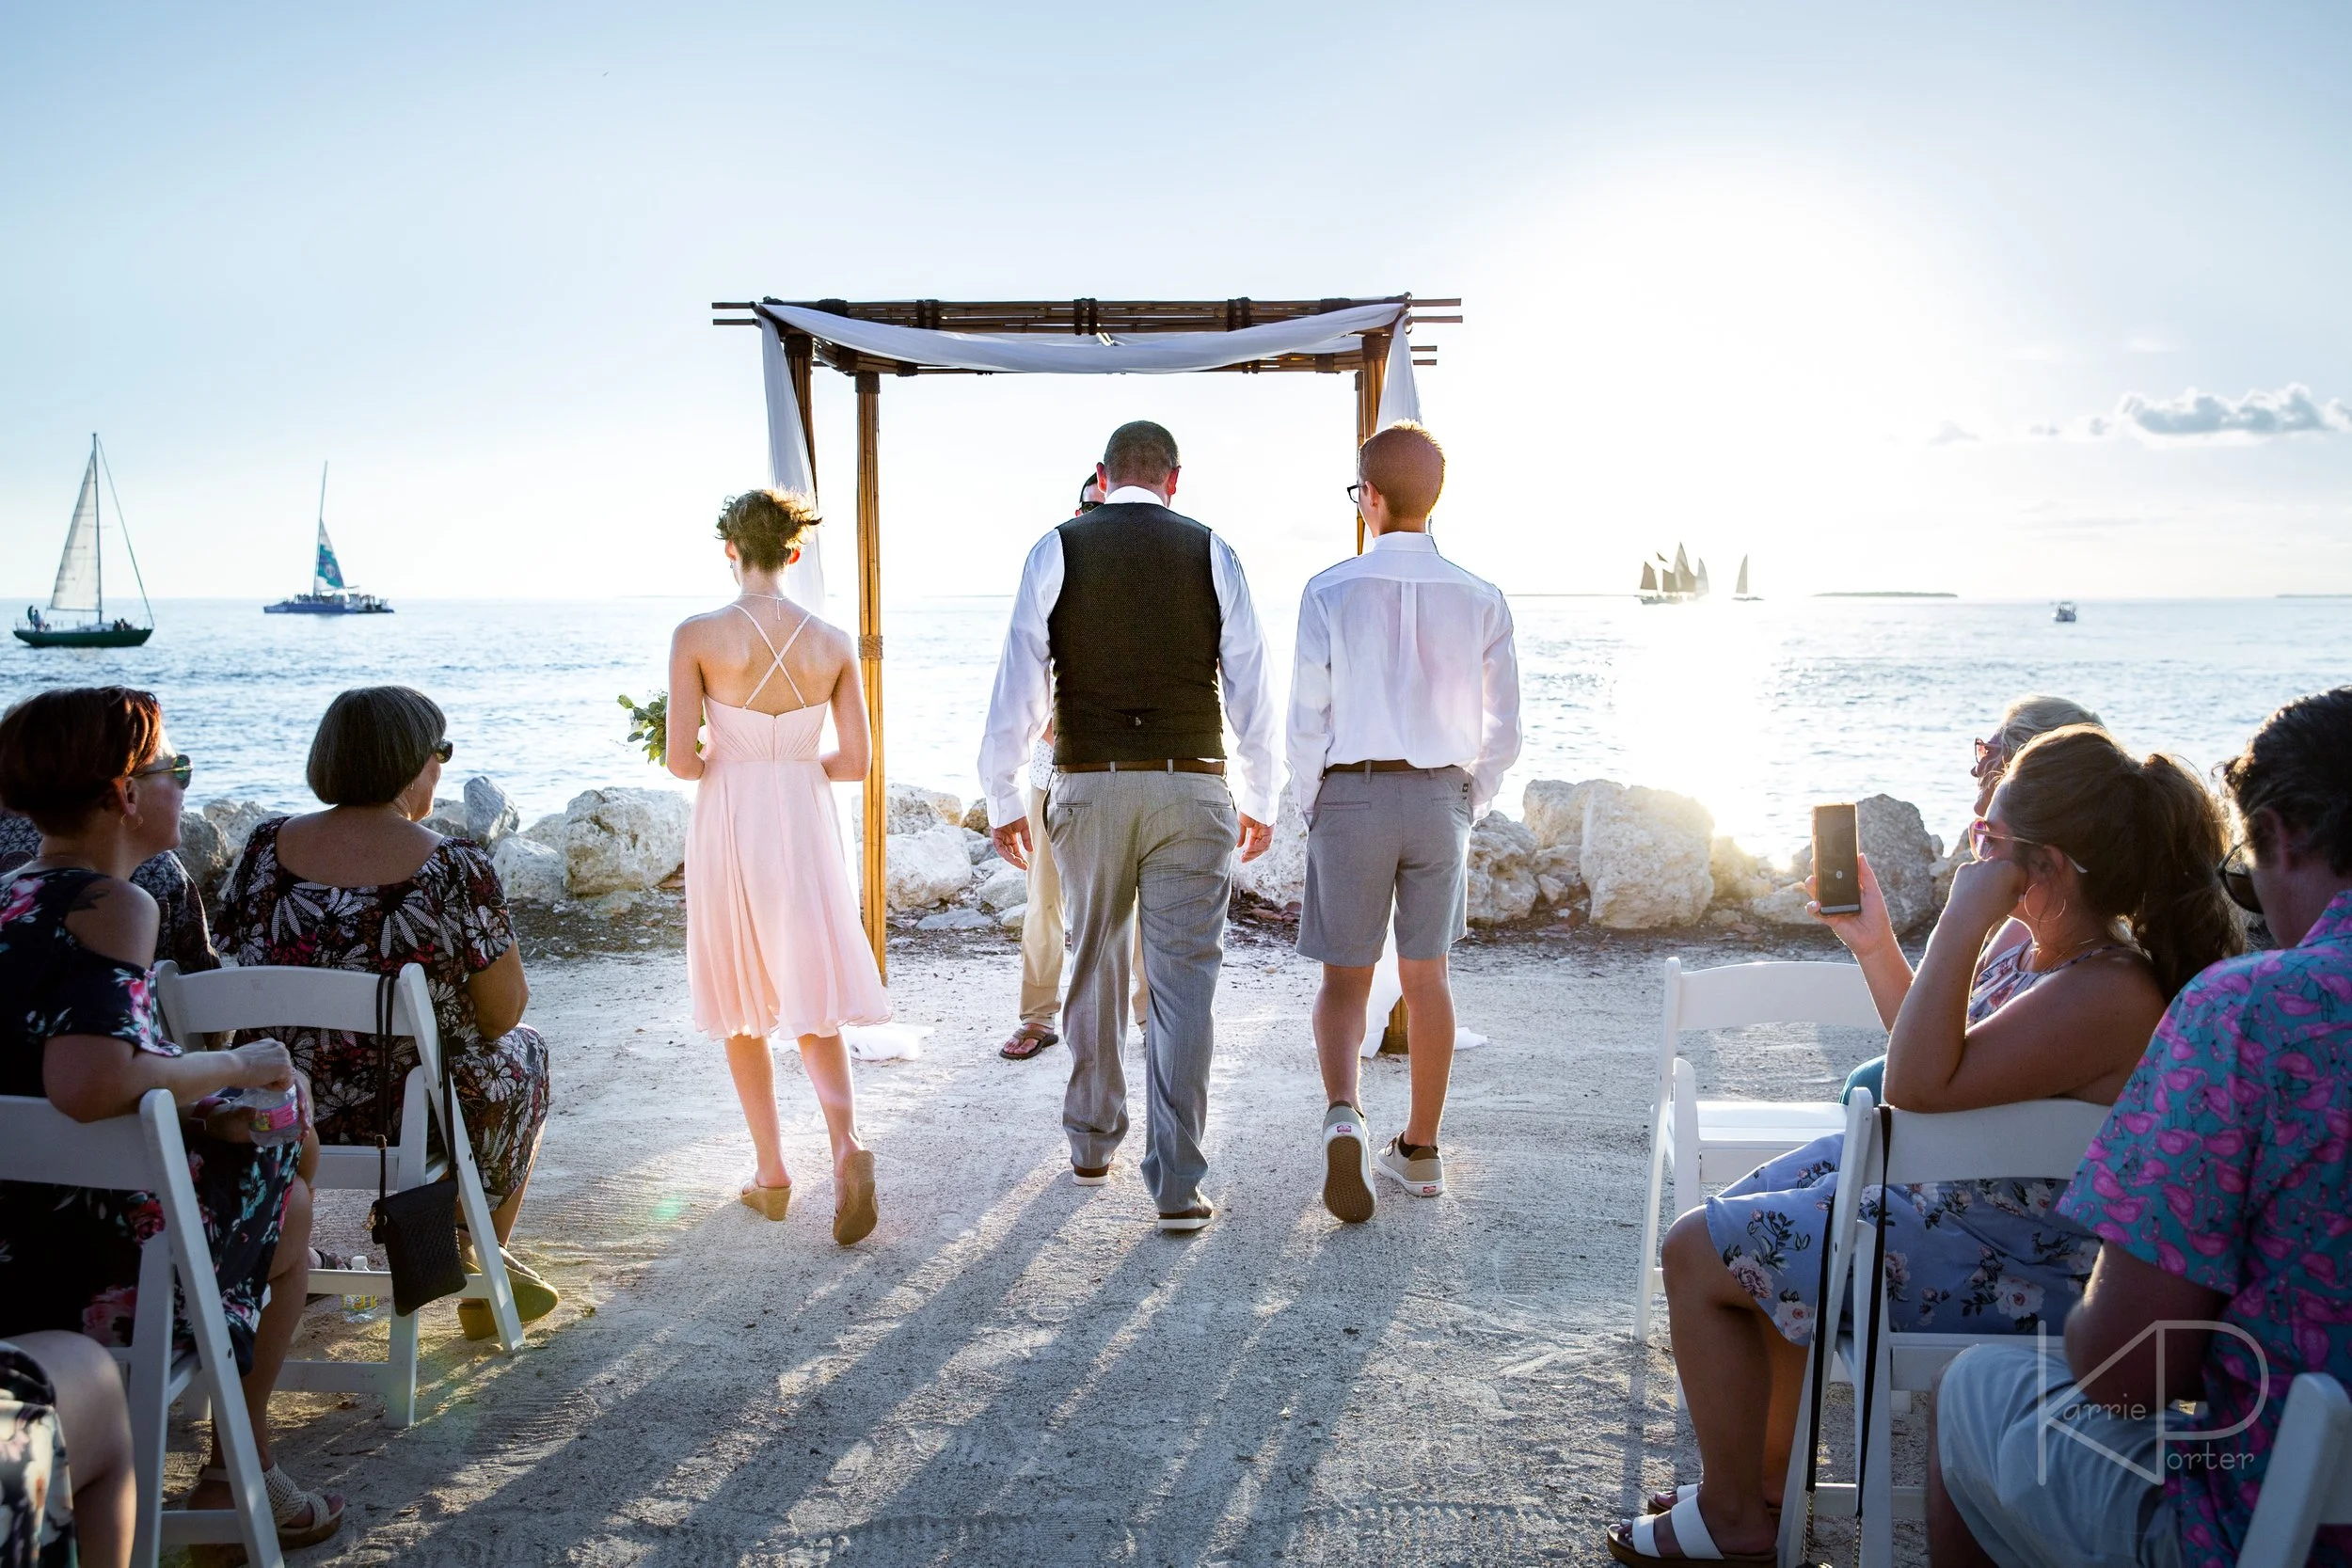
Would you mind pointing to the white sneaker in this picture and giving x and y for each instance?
(1423, 1175)
(1347, 1165)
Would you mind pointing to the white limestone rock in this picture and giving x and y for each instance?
(1645, 855)
(447, 817)
(976, 815)
(958, 919)
(1502, 871)
(490, 812)
(553, 830)
(977, 847)
(924, 869)
(1279, 877)
(912, 809)
(235, 820)
(1555, 810)
(1005, 888)
(624, 840)
(202, 853)
(530, 871)
(1559, 874)
(1896, 839)
(1785, 905)
(1740, 877)
(1011, 921)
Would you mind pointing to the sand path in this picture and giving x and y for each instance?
(1014, 1370)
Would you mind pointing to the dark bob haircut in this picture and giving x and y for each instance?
(2300, 765)
(371, 745)
(61, 751)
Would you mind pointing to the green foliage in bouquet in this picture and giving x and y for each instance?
(649, 727)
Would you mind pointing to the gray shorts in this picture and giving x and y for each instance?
(1384, 839)
(2043, 1479)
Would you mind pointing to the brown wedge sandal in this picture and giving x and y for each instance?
(854, 1214)
(771, 1202)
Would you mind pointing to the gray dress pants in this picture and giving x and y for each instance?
(1157, 847)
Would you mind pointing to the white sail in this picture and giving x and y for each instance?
(1741, 591)
(77, 569)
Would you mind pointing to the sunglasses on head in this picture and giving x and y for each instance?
(181, 768)
(2237, 879)
(444, 747)
(1983, 832)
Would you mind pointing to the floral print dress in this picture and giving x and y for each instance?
(451, 918)
(1976, 1256)
(70, 1256)
(36, 1488)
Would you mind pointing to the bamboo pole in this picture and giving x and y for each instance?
(869, 650)
(799, 352)
(1369, 381)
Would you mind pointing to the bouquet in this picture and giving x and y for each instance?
(649, 727)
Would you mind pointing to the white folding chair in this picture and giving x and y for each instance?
(2308, 1482)
(2042, 1139)
(143, 1153)
(1714, 1141)
(279, 997)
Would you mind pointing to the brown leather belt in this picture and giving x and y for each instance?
(1385, 765)
(1160, 765)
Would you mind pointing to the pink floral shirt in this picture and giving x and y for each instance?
(2227, 1162)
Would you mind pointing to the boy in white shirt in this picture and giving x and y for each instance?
(1404, 717)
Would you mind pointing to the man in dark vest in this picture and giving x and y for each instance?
(1130, 624)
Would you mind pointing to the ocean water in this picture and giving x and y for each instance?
(1757, 709)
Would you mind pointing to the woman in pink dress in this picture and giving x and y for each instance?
(773, 937)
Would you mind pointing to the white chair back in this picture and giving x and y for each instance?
(1703, 1140)
(267, 997)
(2309, 1482)
(144, 1152)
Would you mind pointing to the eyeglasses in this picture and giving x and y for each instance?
(181, 768)
(1983, 832)
(2237, 871)
(1087, 506)
(445, 748)
(1356, 494)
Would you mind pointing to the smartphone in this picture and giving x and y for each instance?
(1837, 871)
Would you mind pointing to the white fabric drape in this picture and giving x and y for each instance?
(788, 465)
(1399, 398)
(1052, 353)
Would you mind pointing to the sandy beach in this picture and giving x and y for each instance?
(1015, 1369)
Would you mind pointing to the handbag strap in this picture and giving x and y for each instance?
(1878, 1295)
(384, 993)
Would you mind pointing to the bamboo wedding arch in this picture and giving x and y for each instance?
(870, 341)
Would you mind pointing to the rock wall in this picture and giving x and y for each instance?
(624, 840)
(1645, 856)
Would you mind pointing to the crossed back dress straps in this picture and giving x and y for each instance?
(775, 655)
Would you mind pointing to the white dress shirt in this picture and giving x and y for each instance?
(1404, 656)
(1023, 696)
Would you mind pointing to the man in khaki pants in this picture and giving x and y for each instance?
(1043, 930)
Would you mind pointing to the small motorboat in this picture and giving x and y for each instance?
(2064, 613)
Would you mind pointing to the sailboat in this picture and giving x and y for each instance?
(1739, 590)
(81, 586)
(1673, 582)
(328, 594)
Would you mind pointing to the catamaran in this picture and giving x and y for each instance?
(81, 586)
(328, 594)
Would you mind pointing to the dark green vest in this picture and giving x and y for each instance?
(1134, 637)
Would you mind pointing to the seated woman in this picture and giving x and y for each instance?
(361, 886)
(2091, 902)
(91, 768)
(59, 1509)
(2021, 721)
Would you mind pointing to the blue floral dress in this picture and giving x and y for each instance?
(1976, 1256)
(70, 1256)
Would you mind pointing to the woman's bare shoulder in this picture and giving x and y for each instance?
(116, 919)
(696, 629)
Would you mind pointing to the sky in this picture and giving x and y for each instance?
(2002, 299)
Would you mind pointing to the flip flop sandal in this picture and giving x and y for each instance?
(770, 1202)
(1691, 1542)
(854, 1214)
(1691, 1489)
(535, 1298)
(1028, 1041)
(303, 1519)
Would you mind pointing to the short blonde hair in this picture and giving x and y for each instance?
(1407, 465)
(766, 526)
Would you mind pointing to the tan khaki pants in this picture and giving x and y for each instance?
(1042, 930)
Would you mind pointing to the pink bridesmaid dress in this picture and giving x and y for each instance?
(773, 937)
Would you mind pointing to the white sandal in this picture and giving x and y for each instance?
(1691, 1542)
(289, 1502)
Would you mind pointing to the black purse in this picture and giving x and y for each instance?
(417, 1228)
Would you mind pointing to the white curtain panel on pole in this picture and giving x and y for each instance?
(1105, 353)
(788, 465)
